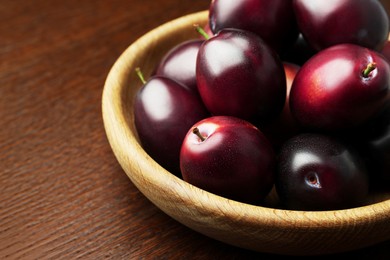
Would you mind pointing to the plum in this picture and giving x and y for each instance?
(319, 172)
(325, 23)
(274, 21)
(164, 110)
(340, 88)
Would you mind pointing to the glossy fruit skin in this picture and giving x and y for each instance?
(179, 63)
(283, 126)
(239, 75)
(274, 21)
(318, 172)
(330, 92)
(325, 23)
(235, 160)
(164, 110)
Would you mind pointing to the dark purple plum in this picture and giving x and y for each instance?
(273, 21)
(325, 23)
(318, 172)
(229, 157)
(180, 63)
(340, 88)
(239, 75)
(164, 110)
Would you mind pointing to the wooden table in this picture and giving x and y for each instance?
(63, 195)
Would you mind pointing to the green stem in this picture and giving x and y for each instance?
(201, 31)
(197, 132)
(370, 67)
(140, 75)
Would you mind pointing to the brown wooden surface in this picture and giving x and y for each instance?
(63, 194)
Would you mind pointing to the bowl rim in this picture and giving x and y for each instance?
(141, 168)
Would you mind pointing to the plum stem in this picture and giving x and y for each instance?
(370, 67)
(197, 132)
(201, 31)
(140, 75)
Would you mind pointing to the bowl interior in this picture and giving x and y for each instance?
(263, 229)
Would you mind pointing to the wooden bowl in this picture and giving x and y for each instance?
(262, 229)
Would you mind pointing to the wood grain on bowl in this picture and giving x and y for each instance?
(263, 229)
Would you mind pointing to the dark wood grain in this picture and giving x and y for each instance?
(63, 195)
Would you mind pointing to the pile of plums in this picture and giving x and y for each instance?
(286, 94)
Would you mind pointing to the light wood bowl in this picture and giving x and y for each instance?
(262, 229)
